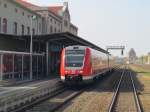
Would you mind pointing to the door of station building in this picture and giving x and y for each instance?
(55, 63)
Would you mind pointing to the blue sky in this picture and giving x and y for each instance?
(111, 22)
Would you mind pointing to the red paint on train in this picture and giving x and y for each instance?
(82, 64)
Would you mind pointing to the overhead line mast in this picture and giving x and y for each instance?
(122, 48)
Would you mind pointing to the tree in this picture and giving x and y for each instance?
(132, 56)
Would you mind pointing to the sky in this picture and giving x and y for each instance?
(110, 22)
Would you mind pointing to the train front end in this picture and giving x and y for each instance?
(72, 64)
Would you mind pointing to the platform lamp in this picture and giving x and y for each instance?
(31, 45)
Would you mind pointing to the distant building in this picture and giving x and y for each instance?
(145, 59)
(132, 56)
(148, 62)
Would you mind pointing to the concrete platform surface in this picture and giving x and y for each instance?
(28, 86)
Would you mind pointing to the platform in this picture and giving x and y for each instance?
(9, 90)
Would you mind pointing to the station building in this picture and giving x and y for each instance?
(145, 59)
(15, 30)
(15, 19)
(56, 19)
(16, 15)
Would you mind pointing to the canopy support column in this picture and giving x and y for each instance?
(1, 67)
(47, 60)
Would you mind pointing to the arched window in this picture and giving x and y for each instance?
(55, 30)
(51, 29)
(4, 25)
(39, 27)
(28, 30)
(66, 23)
(22, 27)
(15, 28)
(33, 31)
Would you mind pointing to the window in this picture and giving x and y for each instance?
(51, 29)
(7, 63)
(5, 5)
(33, 31)
(22, 27)
(16, 10)
(51, 20)
(15, 28)
(28, 16)
(4, 25)
(39, 27)
(28, 30)
(74, 58)
(65, 23)
(23, 13)
(0, 24)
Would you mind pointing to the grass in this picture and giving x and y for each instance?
(140, 70)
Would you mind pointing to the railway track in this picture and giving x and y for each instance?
(63, 99)
(52, 102)
(55, 102)
(125, 98)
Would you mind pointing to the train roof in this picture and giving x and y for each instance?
(78, 47)
(75, 47)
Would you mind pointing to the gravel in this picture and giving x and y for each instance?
(143, 86)
(94, 100)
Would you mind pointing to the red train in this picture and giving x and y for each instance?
(83, 64)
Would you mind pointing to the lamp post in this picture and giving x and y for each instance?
(31, 46)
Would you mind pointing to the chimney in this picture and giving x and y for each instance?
(66, 4)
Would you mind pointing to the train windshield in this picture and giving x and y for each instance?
(74, 58)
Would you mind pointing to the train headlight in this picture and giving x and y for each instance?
(80, 71)
(66, 72)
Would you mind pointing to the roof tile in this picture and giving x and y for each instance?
(25, 3)
(55, 9)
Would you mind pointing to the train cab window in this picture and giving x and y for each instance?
(73, 52)
(74, 58)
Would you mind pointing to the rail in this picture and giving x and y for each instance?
(139, 108)
(115, 96)
(116, 93)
